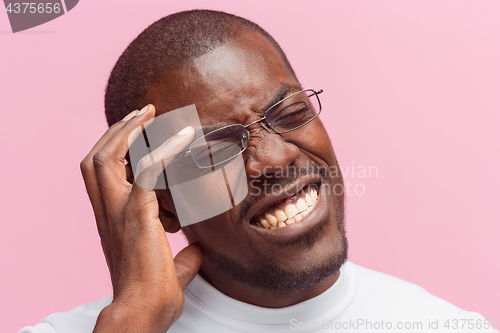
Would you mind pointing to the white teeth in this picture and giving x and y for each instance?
(291, 210)
(291, 213)
(265, 223)
(301, 205)
(309, 200)
(314, 194)
(272, 220)
(280, 215)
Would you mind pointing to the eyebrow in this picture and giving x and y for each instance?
(205, 130)
(284, 90)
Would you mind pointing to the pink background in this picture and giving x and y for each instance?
(411, 87)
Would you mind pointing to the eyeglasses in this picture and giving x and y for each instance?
(226, 143)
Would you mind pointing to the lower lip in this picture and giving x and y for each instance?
(297, 228)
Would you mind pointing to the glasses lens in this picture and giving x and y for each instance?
(220, 146)
(294, 111)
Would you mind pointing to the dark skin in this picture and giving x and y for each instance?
(232, 84)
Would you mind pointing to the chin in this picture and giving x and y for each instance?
(301, 264)
(288, 258)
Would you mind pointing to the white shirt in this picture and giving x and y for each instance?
(361, 300)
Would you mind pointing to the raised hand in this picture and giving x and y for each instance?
(147, 282)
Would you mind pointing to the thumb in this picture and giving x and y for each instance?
(151, 166)
(187, 264)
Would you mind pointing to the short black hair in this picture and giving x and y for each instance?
(165, 45)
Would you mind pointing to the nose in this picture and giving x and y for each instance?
(268, 154)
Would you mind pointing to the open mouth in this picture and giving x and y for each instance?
(289, 210)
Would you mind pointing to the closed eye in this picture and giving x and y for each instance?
(293, 114)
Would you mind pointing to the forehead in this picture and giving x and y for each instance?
(226, 83)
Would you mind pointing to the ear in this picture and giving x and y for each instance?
(167, 212)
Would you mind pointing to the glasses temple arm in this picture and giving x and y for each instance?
(316, 92)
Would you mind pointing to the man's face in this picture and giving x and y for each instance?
(234, 84)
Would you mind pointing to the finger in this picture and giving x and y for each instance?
(152, 165)
(87, 167)
(109, 160)
(187, 264)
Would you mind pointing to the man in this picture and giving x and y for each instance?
(267, 265)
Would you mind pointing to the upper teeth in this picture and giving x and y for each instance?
(292, 212)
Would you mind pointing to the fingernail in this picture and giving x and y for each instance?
(185, 131)
(143, 110)
(129, 116)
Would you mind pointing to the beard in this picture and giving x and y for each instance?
(268, 273)
(271, 275)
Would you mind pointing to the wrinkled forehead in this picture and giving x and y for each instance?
(239, 73)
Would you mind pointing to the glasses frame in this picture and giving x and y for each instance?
(267, 126)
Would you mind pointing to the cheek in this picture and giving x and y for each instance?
(313, 139)
(217, 234)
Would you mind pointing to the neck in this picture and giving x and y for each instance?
(264, 298)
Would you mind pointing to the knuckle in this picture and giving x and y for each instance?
(86, 164)
(83, 166)
(100, 159)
